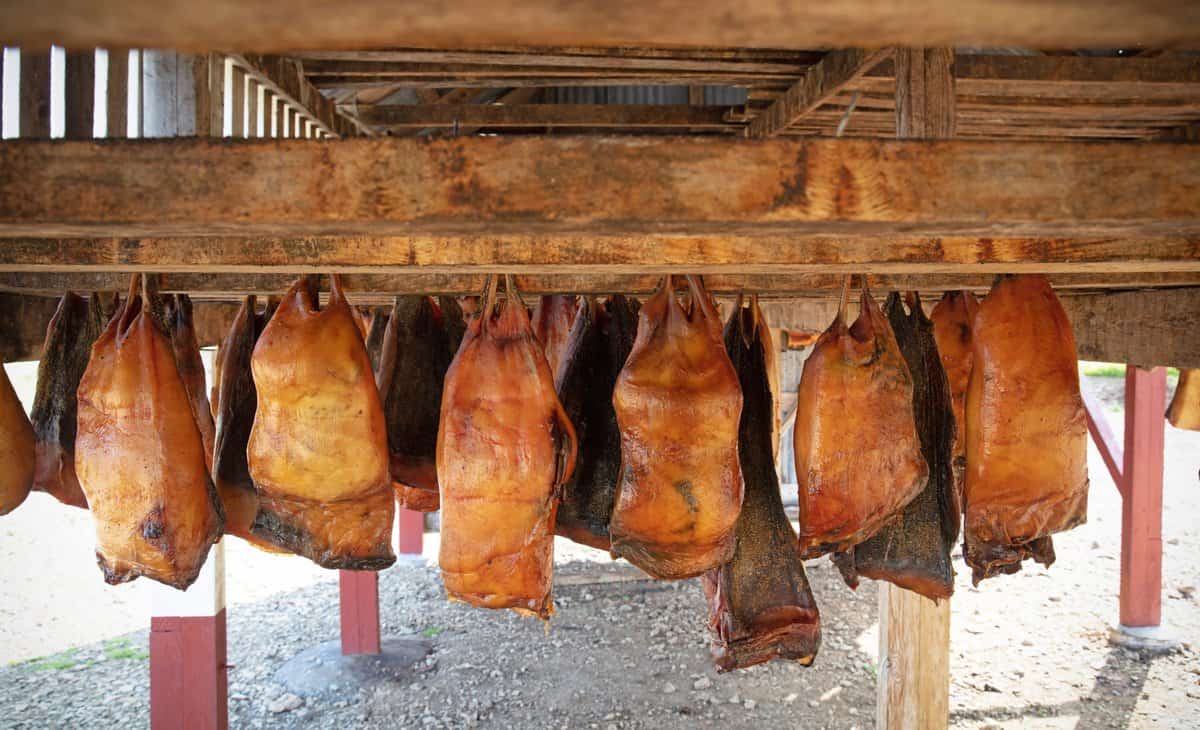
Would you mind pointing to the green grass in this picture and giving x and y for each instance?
(122, 649)
(432, 632)
(54, 662)
(1112, 370)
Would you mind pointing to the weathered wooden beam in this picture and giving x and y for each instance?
(545, 115)
(229, 286)
(822, 81)
(261, 25)
(723, 192)
(613, 252)
(283, 77)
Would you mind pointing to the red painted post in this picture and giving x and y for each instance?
(189, 687)
(1141, 511)
(412, 531)
(359, 596)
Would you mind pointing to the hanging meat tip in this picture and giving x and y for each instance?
(18, 449)
(760, 606)
(952, 318)
(505, 448)
(317, 451)
(177, 314)
(415, 355)
(678, 403)
(1184, 411)
(858, 457)
(552, 320)
(1026, 429)
(913, 552)
(237, 401)
(73, 329)
(139, 453)
(601, 339)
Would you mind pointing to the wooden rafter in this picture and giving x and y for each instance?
(822, 81)
(727, 192)
(284, 79)
(263, 25)
(545, 115)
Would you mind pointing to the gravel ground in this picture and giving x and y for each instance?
(1029, 650)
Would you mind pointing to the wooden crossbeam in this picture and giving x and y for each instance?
(705, 200)
(822, 81)
(546, 115)
(382, 286)
(272, 26)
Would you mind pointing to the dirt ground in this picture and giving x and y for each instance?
(1029, 650)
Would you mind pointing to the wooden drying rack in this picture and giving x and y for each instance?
(459, 144)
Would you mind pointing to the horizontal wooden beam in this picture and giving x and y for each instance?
(272, 26)
(379, 287)
(1149, 328)
(283, 78)
(713, 197)
(828, 77)
(626, 116)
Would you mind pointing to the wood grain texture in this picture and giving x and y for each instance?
(821, 81)
(914, 666)
(282, 77)
(421, 116)
(559, 185)
(33, 97)
(314, 24)
(925, 101)
(79, 94)
(117, 101)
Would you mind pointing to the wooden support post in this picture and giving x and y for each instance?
(411, 530)
(80, 94)
(359, 604)
(1141, 508)
(117, 96)
(253, 90)
(33, 106)
(914, 632)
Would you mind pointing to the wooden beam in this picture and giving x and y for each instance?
(262, 25)
(33, 95)
(703, 189)
(283, 77)
(1142, 503)
(208, 285)
(117, 103)
(925, 102)
(822, 81)
(422, 116)
(79, 94)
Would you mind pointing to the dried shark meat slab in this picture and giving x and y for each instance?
(17, 448)
(552, 320)
(858, 457)
(1184, 411)
(415, 355)
(600, 342)
(952, 318)
(505, 448)
(760, 606)
(75, 326)
(139, 453)
(318, 448)
(678, 403)
(913, 552)
(1026, 429)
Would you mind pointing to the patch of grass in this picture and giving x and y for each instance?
(872, 670)
(432, 632)
(54, 662)
(122, 649)
(1113, 370)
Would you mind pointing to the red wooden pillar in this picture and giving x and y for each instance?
(1141, 512)
(359, 597)
(412, 531)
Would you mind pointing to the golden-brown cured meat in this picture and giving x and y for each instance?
(1026, 429)
(318, 447)
(415, 355)
(552, 320)
(17, 448)
(235, 415)
(678, 403)
(505, 447)
(1184, 411)
(69, 337)
(178, 316)
(600, 341)
(858, 458)
(760, 606)
(913, 552)
(952, 318)
(139, 454)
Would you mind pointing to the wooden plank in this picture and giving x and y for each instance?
(79, 94)
(828, 77)
(188, 672)
(117, 101)
(421, 116)
(358, 596)
(253, 122)
(914, 631)
(1142, 505)
(236, 88)
(283, 77)
(33, 105)
(261, 25)
(233, 286)
(711, 189)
